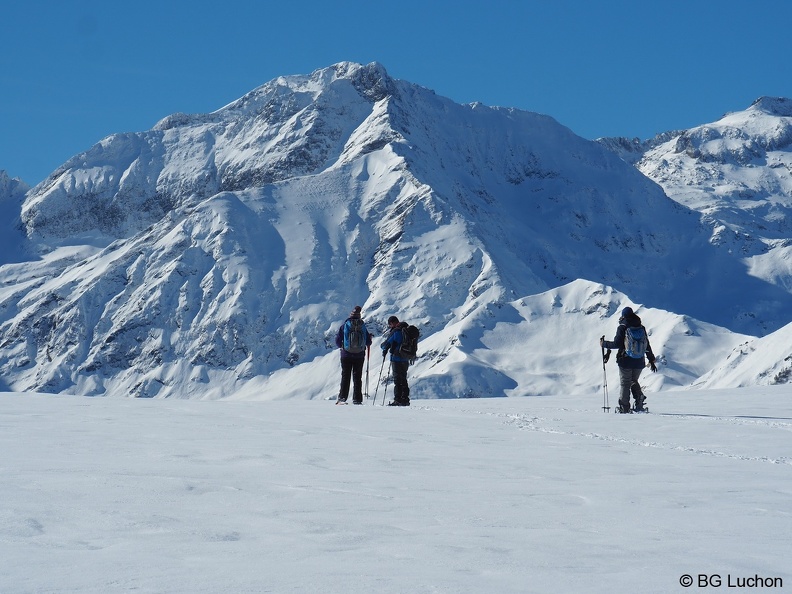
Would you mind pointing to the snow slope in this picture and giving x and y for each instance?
(765, 361)
(539, 494)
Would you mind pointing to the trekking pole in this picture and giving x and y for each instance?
(368, 357)
(387, 377)
(379, 379)
(605, 357)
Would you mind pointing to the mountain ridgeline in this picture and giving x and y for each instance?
(215, 255)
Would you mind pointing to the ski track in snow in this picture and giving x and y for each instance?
(528, 422)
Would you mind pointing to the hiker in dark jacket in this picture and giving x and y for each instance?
(399, 364)
(630, 367)
(353, 353)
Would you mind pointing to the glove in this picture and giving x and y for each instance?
(606, 356)
(652, 366)
(384, 353)
(602, 341)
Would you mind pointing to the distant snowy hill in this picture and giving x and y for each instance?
(762, 362)
(216, 254)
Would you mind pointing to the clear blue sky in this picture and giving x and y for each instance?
(73, 72)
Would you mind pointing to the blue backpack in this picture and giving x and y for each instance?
(355, 334)
(635, 341)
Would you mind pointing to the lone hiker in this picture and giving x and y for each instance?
(632, 343)
(399, 363)
(353, 339)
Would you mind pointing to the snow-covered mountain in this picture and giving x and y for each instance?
(216, 254)
(736, 172)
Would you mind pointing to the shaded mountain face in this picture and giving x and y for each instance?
(13, 245)
(217, 254)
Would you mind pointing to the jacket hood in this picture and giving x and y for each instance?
(631, 320)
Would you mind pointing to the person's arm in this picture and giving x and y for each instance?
(618, 341)
(650, 354)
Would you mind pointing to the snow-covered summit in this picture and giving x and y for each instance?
(741, 138)
(291, 126)
(216, 254)
(774, 106)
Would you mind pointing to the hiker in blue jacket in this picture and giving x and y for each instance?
(632, 344)
(353, 339)
(399, 364)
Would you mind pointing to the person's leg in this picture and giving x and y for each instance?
(401, 391)
(346, 376)
(636, 390)
(357, 380)
(625, 380)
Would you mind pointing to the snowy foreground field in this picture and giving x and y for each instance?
(535, 494)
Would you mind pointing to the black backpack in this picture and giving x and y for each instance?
(409, 343)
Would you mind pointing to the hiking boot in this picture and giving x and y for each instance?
(399, 403)
(341, 401)
(357, 401)
(624, 410)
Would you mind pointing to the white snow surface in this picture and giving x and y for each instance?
(507, 495)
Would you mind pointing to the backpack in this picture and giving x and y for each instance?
(355, 336)
(409, 342)
(635, 341)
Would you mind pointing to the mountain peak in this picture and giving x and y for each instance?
(370, 81)
(11, 186)
(775, 106)
(287, 94)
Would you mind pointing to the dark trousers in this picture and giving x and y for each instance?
(629, 385)
(401, 391)
(351, 369)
